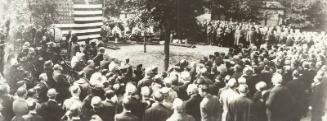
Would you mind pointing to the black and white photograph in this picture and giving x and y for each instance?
(163, 60)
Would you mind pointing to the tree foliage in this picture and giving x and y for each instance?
(237, 9)
(44, 12)
(176, 15)
(305, 13)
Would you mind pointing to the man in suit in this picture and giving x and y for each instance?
(297, 89)
(250, 37)
(209, 106)
(99, 57)
(227, 94)
(32, 114)
(20, 106)
(318, 99)
(126, 115)
(62, 84)
(6, 101)
(240, 108)
(99, 109)
(179, 112)
(51, 110)
(157, 112)
(280, 101)
(194, 99)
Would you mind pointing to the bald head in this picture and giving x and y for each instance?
(232, 83)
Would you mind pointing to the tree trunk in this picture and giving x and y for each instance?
(144, 44)
(166, 48)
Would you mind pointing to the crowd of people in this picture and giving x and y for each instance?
(274, 76)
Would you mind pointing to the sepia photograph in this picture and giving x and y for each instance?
(163, 60)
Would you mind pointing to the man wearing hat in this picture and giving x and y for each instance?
(239, 109)
(157, 112)
(99, 109)
(148, 79)
(51, 110)
(209, 106)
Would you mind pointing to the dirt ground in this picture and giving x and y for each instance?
(155, 54)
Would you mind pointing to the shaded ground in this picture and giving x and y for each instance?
(155, 54)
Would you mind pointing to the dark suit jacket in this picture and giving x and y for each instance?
(157, 112)
(210, 108)
(7, 111)
(97, 59)
(297, 89)
(192, 106)
(33, 117)
(62, 87)
(240, 109)
(51, 111)
(126, 116)
(279, 104)
(259, 106)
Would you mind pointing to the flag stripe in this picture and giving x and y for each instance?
(88, 9)
(87, 21)
(79, 25)
(94, 15)
(97, 12)
(93, 36)
(84, 22)
(83, 31)
(82, 6)
(88, 18)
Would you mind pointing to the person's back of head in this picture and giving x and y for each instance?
(52, 93)
(75, 110)
(158, 96)
(192, 89)
(277, 79)
(130, 89)
(243, 89)
(102, 50)
(232, 83)
(178, 106)
(32, 106)
(43, 77)
(21, 92)
(145, 92)
(260, 86)
(75, 90)
(296, 74)
(90, 63)
(168, 81)
(110, 93)
(204, 90)
(127, 104)
(96, 118)
(96, 102)
(31, 93)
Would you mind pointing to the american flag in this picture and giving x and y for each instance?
(88, 19)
